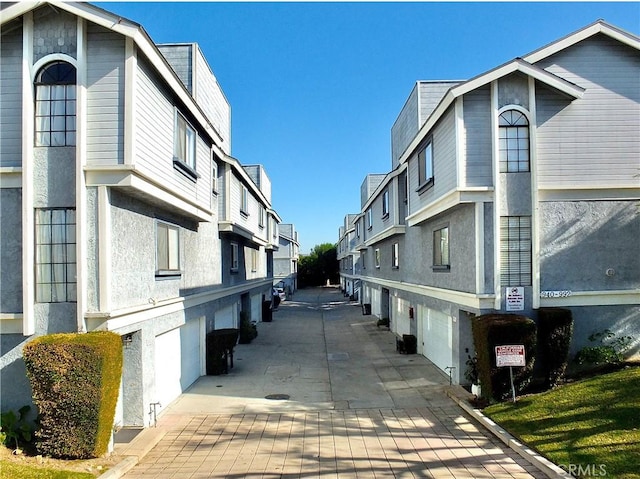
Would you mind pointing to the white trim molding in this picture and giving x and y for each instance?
(594, 298)
(449, 200)
(387, 233)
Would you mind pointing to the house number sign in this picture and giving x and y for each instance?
(555, 294)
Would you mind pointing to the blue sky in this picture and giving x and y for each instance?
(314, 88)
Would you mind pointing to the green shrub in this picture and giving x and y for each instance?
(491, 330)
(555, 329)
(610, 349)
(75, 380)
(14, 428)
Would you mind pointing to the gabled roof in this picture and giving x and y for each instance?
(128, 29)
(526, 66)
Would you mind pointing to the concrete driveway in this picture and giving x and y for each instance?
(322, 392)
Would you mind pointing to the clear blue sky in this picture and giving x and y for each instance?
(314, 88)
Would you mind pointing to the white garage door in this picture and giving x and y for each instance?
(400, 320)
(437, 337)
(177, 362)
(227, 317)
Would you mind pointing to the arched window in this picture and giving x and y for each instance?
(56, 105)
(514, 141)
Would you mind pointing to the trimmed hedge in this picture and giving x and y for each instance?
(75, 380)
(555, 329)
(491, 330)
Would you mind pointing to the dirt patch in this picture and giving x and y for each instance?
(28, 458)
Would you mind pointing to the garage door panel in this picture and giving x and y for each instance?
(437, 337)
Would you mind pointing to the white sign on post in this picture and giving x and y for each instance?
(515, 298)
(511, 355)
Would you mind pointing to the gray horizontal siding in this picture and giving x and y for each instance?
(11, 98)
(105, 96)
(477, 122)
(592, 141)
(405, 127)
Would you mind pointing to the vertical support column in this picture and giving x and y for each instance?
(104, 245)
(28, 227)
(81, 190)
(479, 235)
(535, 207)
(495, 152)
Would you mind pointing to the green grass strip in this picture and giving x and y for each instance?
(590, 428)
(10, 470)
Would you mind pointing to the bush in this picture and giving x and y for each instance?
(555, 329)
(491, 330)
(75, 380)
(14, 428)
(610, 349)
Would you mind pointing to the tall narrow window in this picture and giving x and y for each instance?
(425, 165)
(168, 249)
(184, 142)
(369, 219)
(385, 203)
(244, 200)
(55, 255)
(395, 260)
(377, 257)
(515, 250)
(254, 260)
(214, 176)
(263, 215)
(514, 142)
(363, 255)
(56, 105)
(441, 248)
(235, 260)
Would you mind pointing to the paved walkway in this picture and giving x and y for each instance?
(355, 409)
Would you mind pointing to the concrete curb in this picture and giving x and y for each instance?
(135, 451)
(461, 397)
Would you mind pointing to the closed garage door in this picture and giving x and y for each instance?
(437, 337)
(177, 361)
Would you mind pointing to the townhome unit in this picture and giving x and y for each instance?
(513, 191)
(121, 207)
(285, 259)
(348, 256)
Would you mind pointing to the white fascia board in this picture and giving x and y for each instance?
(570, 89)
(128, 319)
(275, 215)
(383, 184)
(11, 177)
(142, 40)
(229, 227)
(590, 193)
(469, 300)
(388, 233)
(127, 176)
(236, 166)
(594, 298)
(573, 38)
(448, 201)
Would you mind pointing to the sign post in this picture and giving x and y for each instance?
(510, 355)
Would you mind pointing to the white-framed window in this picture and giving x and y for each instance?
(425, 165)
(55, 263)
(515, 250)
(357, 229)
(513, 141)
(55, 109)
(441, 248)
(214, 175)
(369, 219)
(235, 257)
(167, 249)
(385, 203)
(395, 259)
(254, 260)
(184, 145)
(244, 200)
(377, 257)
(263, 215)
(363, 257)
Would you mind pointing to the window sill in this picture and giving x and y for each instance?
(441, 268)
(425, 186)
(385, 216)
(168, 274)
(244, 214)
(185, 169)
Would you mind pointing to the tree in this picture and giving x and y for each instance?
(319, 266)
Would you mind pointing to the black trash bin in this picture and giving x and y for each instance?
(366, 309)
(410, 343)
(219, 356)
(267, 312)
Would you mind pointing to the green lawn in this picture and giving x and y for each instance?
(592, 425)
(11, 470)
